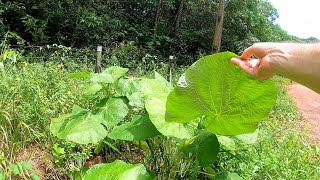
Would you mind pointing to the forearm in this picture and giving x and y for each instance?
(299, 62)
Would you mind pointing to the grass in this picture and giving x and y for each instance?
(30, 98)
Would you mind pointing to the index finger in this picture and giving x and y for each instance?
(247, 53)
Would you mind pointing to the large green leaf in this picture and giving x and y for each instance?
(139, 128)
(205, 146)
(113, 111)
(109, 75)
(117, 170)
(80, 126)
(230, 101)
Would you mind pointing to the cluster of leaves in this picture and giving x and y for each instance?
(210, 99)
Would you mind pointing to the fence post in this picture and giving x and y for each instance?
(98, 60)
(170, 68)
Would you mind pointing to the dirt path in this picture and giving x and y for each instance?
(308, 104)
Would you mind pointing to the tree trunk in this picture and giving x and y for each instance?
(218, 28)
(157, 19)
(178, 18)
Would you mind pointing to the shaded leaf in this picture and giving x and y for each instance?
(139, 128)
(117, 170)
(231, 101)
(205, 146)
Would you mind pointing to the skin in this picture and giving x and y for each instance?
(299, 62)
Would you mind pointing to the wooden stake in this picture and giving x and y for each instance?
(98, 60)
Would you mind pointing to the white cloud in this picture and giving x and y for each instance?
(299, 17)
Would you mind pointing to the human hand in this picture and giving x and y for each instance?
(259, 67)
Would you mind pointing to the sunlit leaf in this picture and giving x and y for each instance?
(230, 101)
(80, 126)
(117, 170)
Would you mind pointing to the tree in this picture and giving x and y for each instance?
(218, 28)
(157, 18)
(178, 18)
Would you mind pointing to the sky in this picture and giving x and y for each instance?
(300, 18)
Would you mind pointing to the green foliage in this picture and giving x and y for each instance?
(117, 170)
(216, 91)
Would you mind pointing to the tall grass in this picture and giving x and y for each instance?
(29, 99)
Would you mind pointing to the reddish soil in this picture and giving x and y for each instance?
(308, 104)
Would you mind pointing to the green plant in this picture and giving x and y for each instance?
(184, 116)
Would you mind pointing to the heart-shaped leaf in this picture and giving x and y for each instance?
(230, 101)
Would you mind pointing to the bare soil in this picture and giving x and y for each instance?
(308, 104)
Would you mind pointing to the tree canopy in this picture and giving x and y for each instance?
(181, 27)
